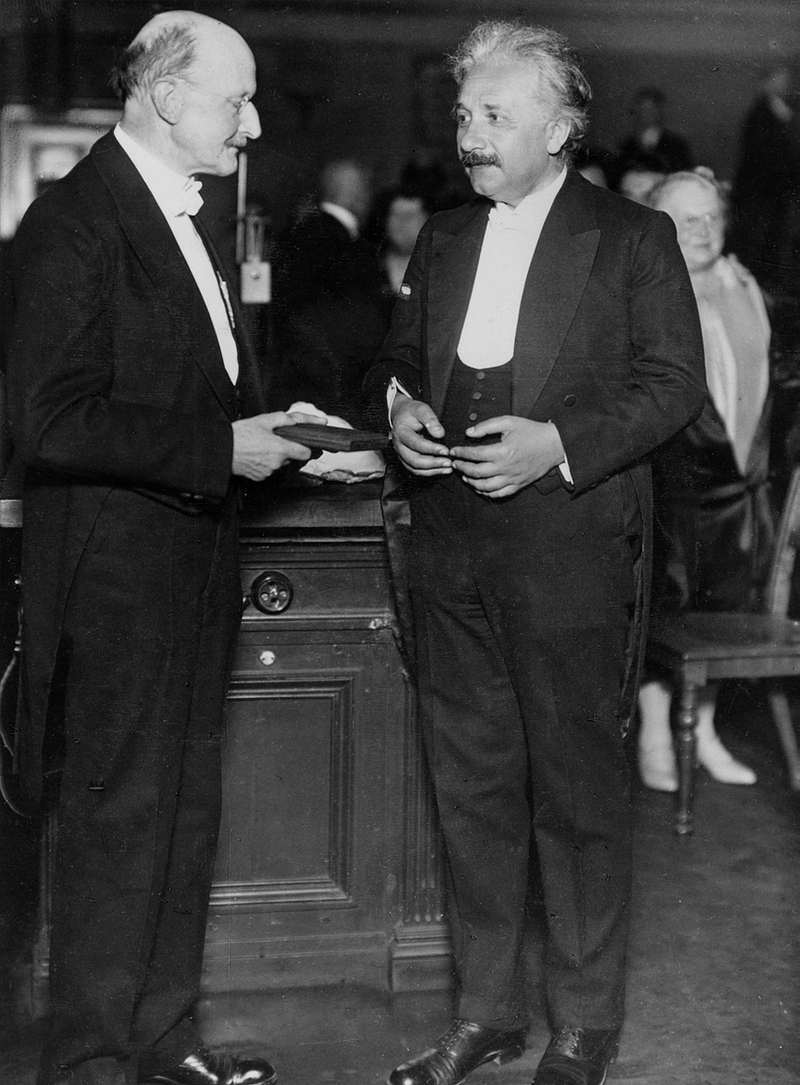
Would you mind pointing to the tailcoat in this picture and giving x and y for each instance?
(529, 611)
(122, 414)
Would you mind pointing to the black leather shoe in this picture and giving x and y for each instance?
(203, 1068)
(578, 1056)
(461, 1049)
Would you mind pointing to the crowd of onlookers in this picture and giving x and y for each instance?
(762, 202)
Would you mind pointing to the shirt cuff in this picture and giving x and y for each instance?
(392, 391)
(566, 474)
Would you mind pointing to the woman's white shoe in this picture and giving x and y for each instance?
(720, 763)
(657, 768)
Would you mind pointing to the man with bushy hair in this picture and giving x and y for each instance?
(563, 85)
(544, 342)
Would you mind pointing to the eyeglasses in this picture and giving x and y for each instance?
(711, 220)
(237, 104)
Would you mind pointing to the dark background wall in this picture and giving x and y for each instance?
(364, 77)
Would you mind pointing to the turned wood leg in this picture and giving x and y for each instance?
(687, 756)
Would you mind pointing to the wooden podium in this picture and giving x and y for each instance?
(329, 865)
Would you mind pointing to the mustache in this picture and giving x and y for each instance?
(475, 158)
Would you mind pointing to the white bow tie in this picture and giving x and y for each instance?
(189, 201)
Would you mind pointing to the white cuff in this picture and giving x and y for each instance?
(566, 474)
(392, 391)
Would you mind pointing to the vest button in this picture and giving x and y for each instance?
(477, 395)
(480, 375)
(569, 401)
(473, 416)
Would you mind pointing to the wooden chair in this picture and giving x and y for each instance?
(695, 648)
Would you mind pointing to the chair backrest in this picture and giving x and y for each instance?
(787, 541)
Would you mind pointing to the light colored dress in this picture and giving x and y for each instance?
(713, 513)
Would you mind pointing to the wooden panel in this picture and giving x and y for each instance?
(288, 782)
(343, 583)
(309, 864)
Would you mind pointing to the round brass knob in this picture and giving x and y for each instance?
(272, 592)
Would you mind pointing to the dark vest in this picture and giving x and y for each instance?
(474, 395)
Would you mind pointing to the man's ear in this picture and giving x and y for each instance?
(167, 98)
(558, 131)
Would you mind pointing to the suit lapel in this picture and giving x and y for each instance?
(454, 262)
(554, 287)
(159, 254)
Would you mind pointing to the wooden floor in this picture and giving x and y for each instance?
(714, 968)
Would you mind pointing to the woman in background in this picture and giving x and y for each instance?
(397, 218)
(712, 507)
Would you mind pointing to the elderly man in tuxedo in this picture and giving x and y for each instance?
(544, 342)
(135, 408)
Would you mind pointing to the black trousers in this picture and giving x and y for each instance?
(521, 612)
(146, 651)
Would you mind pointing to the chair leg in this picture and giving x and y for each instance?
(779, 703)
(687, 756)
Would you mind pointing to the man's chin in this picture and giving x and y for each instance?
(227, 164)
(480, 177)
(482, 185)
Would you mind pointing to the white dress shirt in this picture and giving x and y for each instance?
(179, 199)
(510, 240)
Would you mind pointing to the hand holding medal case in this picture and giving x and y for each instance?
(333, 438)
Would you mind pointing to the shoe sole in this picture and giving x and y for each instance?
(160, 1079)
(501, 1057)
(602, 1080)
(509, 1054)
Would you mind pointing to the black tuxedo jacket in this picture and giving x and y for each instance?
(115, 380)
(318, 256)
(608, 347)
(608, 341)
(328, 314)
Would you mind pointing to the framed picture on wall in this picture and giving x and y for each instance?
(38, 148)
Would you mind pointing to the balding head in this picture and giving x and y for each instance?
(186, 82)
(169, 45)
